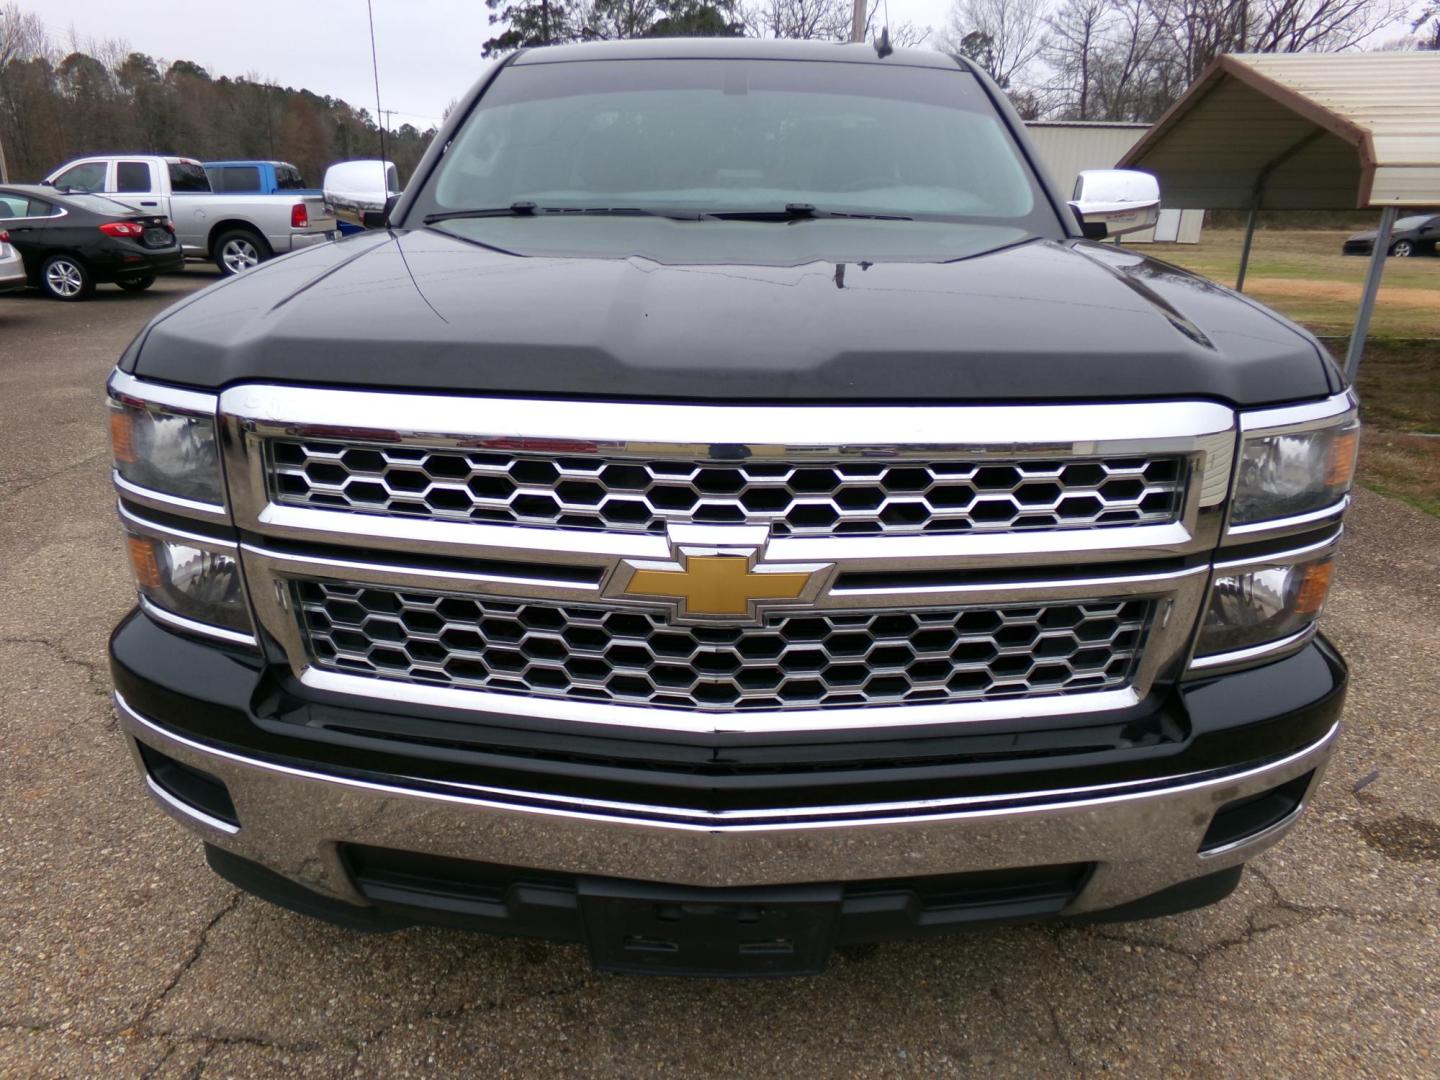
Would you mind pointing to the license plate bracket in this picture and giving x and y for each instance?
(639, 928)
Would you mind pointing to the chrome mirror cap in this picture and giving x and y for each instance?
(357, 190)
(1111, 202)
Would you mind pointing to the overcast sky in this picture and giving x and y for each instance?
(429, 50)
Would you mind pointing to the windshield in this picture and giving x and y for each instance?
(1405, 224)
(728, 136)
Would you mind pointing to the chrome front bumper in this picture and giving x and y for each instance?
(1141, 839)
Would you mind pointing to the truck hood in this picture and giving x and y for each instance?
(1034, 321)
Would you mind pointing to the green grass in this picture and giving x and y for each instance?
(1303, 274)
(1300, 273)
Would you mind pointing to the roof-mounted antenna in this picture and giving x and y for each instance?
(375, 69)
(883, 48)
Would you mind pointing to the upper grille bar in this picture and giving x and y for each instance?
(793, 498)
(985, 485)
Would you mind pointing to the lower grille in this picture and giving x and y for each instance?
(808, 660)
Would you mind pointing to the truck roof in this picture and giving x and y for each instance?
(734, 49)
(250, 161)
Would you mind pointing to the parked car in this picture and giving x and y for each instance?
(73, 242)
(1414, 234)
(734, 507)
(12, 267)
(256, 178)
(236, 232)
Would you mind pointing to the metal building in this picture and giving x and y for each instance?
(1068, 146)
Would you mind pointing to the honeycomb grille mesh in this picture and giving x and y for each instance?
(812, 659)
(873, 496)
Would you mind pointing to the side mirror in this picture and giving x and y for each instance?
(379, 219)
(1111, 202)
(361, 192)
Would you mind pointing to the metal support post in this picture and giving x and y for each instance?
(1372, 289)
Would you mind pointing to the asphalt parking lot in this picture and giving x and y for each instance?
(121, 955)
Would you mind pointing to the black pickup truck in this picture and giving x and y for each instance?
(728, 510)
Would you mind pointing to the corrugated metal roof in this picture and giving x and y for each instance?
(1315, 131)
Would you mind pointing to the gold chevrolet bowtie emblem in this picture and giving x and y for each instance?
(718, 585)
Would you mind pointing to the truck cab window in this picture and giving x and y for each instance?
(132, 177)
(87, 176)
(188, 176)
(239, 178)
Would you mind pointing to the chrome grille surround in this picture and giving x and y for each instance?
(1161, 564)
(809, 660)
(794, 498)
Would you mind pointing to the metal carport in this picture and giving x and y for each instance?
(1304, 131)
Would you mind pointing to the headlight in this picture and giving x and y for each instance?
(1263, 603)
(166, 450)
(190, 577)
(1289, 473)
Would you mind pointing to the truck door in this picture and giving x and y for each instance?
(136, 180)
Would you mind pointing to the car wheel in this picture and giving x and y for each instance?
(240, 250)
(63, 277)
(1402, 249)
(139, 284)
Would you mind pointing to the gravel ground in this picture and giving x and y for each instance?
(121, 955)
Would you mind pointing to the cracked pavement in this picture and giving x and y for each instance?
(121, 955)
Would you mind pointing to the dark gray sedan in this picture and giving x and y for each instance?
(1415, 234)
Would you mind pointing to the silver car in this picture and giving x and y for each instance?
(12, 270)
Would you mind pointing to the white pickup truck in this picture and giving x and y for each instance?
(235, 232)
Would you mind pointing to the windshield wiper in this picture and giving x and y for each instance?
(797, 211)
(530, 209)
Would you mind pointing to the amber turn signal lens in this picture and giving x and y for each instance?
(143, 560)
(122, 435)
(1314, 587)
(1340, 469)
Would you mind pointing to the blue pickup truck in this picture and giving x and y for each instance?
(263, 178)
(257, 178)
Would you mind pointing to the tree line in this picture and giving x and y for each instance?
(1061, 59)
(1057, 59)
(1130, 59)
(62, 102)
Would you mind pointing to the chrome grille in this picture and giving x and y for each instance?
(869, 496)
(801, 660)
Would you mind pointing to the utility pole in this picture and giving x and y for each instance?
(857, 20)
(4, 173)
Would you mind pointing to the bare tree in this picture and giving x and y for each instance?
(1318, 25)
(1077, 35)
(1200, 30)
(823, 20)
(1005, 37)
